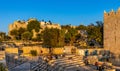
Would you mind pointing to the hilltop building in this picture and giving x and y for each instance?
(112, 31)
(23, 24)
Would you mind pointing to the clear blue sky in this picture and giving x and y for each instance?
(73, 12)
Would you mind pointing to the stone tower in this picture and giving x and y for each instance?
(112, 31)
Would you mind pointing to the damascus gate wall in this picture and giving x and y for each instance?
(112, 31)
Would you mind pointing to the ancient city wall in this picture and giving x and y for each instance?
(112, 31)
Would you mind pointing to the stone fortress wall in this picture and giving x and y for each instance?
(112, 31)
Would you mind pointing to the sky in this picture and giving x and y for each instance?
(74, 12)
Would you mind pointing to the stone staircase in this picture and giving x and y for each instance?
(67, 62)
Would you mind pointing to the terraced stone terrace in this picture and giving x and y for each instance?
(69, 63)
(54, 63)
(61, 63)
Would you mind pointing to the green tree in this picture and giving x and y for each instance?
(70, 36)
(67, 38)
(96, 32)
(39, 37)
(67, 27)
(61, 38)
(73, 33)
(33, 52)
(53, 38)
(0, 40)
(34, 24)
(50, 22)
(81, 27)
(26, 35)
(100, 27)
(20, 32)
(14, 33)
(78, 37)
